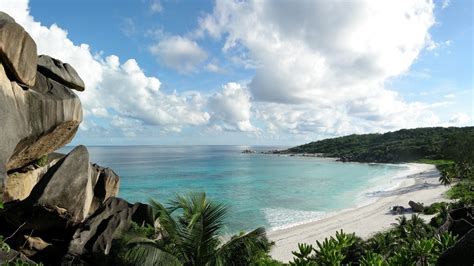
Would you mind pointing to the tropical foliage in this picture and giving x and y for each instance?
(410, 242)
(189, 232)
(399, 146)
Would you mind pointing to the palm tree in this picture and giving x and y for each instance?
(446, 177)
(189, 233)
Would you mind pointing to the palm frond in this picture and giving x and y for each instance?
(168, 225)
(242, 246)
(148, 253)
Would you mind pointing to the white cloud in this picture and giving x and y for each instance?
(326, 57)
(179, 53)
(128, 27)
(450, 96)
(320, 70)
(156, 7)
(231, 106)
(311, 47)
(112, 87)
(460, 119)
(445, 4)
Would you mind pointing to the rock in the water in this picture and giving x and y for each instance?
(61, 72)
(462, 253)
(106, 184)
(34, 122)
(67, 185)
(17, 52)
(416, 206)
(19, 184)
(95, 235)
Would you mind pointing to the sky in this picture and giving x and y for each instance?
(266, 72)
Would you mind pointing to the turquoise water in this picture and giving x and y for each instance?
(262, 190)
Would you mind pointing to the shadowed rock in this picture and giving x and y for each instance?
(12, 255)
(61, 72)
(67, 185)
(17, 51)
(462, 253)
(95, 235)
(459, 221)
(416, 206)
(106, 184)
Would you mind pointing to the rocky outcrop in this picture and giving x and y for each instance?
(95, 235)
(459, 221)
(61, 72)
(48, 118)
(67, 185)
(106, 184)
(13, 255)
(35, 122)
(462, 253)
(416, 206)
(17, 51)
(19, 184)
(60, 204)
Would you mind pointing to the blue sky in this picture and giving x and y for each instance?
(258, 72)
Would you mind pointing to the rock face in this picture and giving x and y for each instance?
(106, 184)
(35, 122)
(67, 185)
(462, 253)
(95, 235)
(19, 184)
(459, 221)
(17, 51)
(61, 72)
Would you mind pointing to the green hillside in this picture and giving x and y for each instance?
(399, 146)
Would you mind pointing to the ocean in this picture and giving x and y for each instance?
(261, 189)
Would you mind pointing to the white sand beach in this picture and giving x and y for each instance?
(420, 185)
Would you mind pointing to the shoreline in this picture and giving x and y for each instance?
(419, 183)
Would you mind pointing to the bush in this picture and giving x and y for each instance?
(42, 161)
(435, 208)
(463, 191)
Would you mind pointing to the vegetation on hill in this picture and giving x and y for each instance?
(399, 146)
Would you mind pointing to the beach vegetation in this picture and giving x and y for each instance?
(189, 232)
(410, 242)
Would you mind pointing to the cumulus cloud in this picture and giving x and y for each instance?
(231, 108)
(460, 119)
(179, 53)
(320, 70)
(327, 57)
(113, 87)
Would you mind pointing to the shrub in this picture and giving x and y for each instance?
(41, 161)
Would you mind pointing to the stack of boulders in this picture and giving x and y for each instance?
(58, 207)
